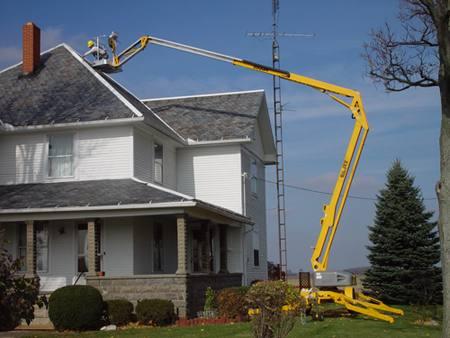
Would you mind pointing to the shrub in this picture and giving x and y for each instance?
(155, 311)
(76, 307)
(210, 300)
(268, 298)
(231, 302)
(17, 296)
(120, 311)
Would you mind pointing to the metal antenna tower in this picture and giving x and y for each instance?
(278, 122)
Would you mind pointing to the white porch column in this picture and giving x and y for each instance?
(182, 245)
(31, 250)
(91, 249)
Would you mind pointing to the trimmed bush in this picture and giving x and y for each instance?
(155, 311)
(76, 307)
(120, 311)
(231, 302)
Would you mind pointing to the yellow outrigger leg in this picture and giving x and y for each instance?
(360, 303)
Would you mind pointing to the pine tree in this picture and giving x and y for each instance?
(404, 253)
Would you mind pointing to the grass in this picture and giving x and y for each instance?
(331, 327)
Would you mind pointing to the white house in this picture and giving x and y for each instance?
(157, 198)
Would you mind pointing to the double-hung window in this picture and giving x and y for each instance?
(158, 162)
(60, 155)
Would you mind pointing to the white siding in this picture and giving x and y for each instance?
(99, 153)
(104, 153)
(118, 246)
(212, 174)
(170, 166)
(22, 158)
(143, 156)
(256, 210)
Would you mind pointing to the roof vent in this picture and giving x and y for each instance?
(31, 47)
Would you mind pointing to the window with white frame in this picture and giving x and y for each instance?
(60, 155)
(254, 177)
(158, 162)
(41, 246)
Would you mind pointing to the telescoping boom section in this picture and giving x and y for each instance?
(322, 279)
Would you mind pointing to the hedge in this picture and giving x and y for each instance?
(76, 307)
(120, 311)
(155, 311)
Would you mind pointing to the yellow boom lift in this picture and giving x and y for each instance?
(337, 287)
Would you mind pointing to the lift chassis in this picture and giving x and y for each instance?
(338, 287)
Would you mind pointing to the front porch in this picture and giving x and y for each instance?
(130, 239)
(173, 257)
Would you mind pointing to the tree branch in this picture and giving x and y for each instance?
(409, 59)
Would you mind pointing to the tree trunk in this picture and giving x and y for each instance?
(443, 193)
(441, 19)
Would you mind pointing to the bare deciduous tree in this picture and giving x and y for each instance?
(419, 56)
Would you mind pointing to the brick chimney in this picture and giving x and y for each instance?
(31, 47)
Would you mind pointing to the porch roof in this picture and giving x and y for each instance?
(100, 195)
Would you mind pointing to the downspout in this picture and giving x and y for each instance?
(244, 230)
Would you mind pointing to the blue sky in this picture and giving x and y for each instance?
(404, 126)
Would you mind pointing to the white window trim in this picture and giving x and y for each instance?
(74, 157)
(156, 142)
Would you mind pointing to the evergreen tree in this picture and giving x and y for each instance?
(405, 245)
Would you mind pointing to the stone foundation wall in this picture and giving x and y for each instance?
(134, 288)
(187, 292)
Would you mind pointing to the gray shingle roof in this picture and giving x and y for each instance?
(214, 117)
(81, 193)
(61, 91)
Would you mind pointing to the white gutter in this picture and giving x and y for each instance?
(101, 208)
(83, 124)
(192, 142)
(141, 206)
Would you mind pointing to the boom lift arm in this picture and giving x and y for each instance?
(350, 99)
(332, 210)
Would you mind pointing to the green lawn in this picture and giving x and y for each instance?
(330, 327)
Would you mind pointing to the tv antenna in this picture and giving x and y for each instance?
(278, 122)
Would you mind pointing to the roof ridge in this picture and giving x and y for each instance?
(127, 103)
(146, 107)
(204, 95)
